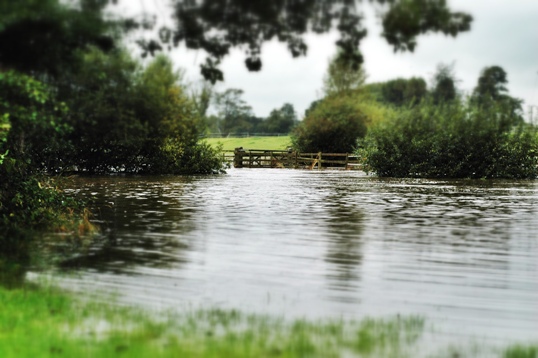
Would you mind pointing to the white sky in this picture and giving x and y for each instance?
(503, 33)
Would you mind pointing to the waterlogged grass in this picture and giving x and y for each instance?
(520, 351)
(269, 143)
(43, 322)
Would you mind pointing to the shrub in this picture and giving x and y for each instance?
(454, 141)
(332, 126)
(133, 120)
(28, 199)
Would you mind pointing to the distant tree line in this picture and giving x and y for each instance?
(234, 116)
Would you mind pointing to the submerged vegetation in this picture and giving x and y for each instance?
(29, 199)
(453, 141)
(43, 322)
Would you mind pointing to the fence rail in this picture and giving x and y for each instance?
(261, 158)
(242, 135)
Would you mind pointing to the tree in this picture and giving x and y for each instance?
(216, 26)
(33, 113)
(27, 199)
(201, 97)
(333, 126)
(312, 106)
(130, 118)
(456, 141)
(491, 83)
(280, 120)
(343, 78)
(108, 134)
(46, 36)
(233, 111)
(444, 84)
(491, 88)
(402, 91)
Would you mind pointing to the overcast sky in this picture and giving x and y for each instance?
(503, 33)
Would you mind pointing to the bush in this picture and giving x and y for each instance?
(33, 122)
(333, 126)
(28, 199)
(454, 141)
(133, 120)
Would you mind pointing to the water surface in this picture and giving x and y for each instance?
(464, 254)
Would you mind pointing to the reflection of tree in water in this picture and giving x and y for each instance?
(143, 224)
(345, 226)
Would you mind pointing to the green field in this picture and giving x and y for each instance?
(269, 143)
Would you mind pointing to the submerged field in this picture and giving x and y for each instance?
(269, 143)
(43, 322)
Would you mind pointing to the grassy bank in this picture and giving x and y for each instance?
(269, 143)
(44, 322)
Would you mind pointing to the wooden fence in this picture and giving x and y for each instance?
(261, 158)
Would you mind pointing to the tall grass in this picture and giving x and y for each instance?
(453, 141)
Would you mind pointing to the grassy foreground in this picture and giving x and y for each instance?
(269, 143)
(47, 323)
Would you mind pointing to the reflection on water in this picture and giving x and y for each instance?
(320, 243)
(140, 220)
(344, 240)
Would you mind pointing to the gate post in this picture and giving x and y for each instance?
(238, 157)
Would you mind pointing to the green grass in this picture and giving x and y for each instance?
(269, 143)
(519, 351)
(44, 322)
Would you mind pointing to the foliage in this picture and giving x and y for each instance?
(108, 134)
(59, 32)
(46, 36)
(216, 27)
(198, 158)
(131, 119)
(235, 116)
(312, 106)
(444, 84)
(201, 97)
(333, 126)
(29, 203)
(491, 87)
(491, 83)
(33, 114)
(234, 113)
(27, 199)
(343, 78)
(457, 141)
(403, 92)
(280, 120)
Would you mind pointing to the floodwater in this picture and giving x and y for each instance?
(463, 254)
